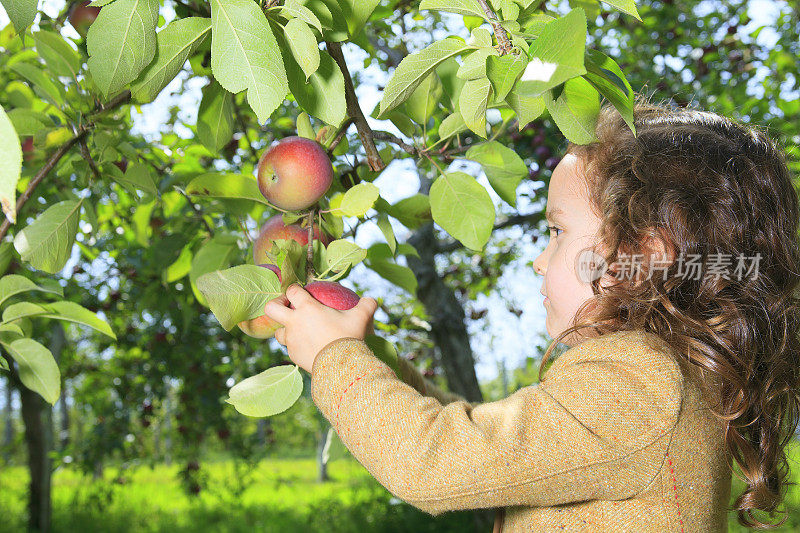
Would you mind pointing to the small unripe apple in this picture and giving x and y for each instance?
(262, 327)
(294, 173)
(274, 228)
(81, 16)
(332, 294)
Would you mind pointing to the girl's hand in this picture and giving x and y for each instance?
(309, 326)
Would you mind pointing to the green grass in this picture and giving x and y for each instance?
(284, 496)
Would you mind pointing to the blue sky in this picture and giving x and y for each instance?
(500, 335)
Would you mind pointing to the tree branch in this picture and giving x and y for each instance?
(354, 110)
(392, 138)
(88, 157)
(58, 154)
(339, 135)
(499, 31)
(197, 210)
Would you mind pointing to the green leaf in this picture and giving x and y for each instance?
(422, 102)
(137, 176)
(121, 42)
(180, 267)
(463, 208)
(503, 72)
(556, 55)
(7, 253)
(141, 222)
(626, 6)
(413, 211)
(575, 111)
(238, 293)
(175, 44)
(322, 95)
(10, 166)
(342, 253)
(41, 82)
(330, 14)
(400, 275)
(215, 254)
(474, 64)
(358, 200)
(46, 244)
(21, 12)
(452, 124)
(388, 232)
(13, 284)
(28, 121)
(526, 107)
(472, 104)
(297, 10)
(219, 185)
(22, 310)
(60, 58)
(605, 75)
(503, 167)
(357, 12)
(37, 368)
(62, 310)
(304, 129)
(303, 45)
(460, 7)
(268, 393)
(215, 117)
(385, 351)
(413, 69)
(245, 55)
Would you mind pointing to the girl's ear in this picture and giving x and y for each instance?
(659, 246)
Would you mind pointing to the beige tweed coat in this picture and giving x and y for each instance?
(612, 439)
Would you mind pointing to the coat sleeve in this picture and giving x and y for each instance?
(412, 376)
(595, 429)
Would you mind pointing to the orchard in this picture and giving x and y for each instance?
(169, 167)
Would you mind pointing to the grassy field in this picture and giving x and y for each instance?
(284, 496)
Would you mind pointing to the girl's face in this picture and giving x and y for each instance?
(566, 262)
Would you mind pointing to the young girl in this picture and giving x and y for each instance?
(670, 275)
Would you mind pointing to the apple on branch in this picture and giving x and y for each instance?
(274, 229)
(82, 15)
(294, 173)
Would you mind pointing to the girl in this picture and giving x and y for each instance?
(670, 275)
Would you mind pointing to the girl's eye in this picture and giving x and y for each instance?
(554, 228)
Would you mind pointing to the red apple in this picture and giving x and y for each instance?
(81, 16)
(332, 294)
(27, 149)
(294, 173)
(262, 327)
(274, 228)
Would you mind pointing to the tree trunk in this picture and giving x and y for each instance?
(36, 414)
(446, 316)
(322, 466)
(449, 333)
(8, 434)
(168, 427)
(64, 436)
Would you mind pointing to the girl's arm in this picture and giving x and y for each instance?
(424, 386)
(596, 427)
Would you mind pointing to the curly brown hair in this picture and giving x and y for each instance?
(699, 183)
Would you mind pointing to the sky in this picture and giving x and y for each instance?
(500, 337)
